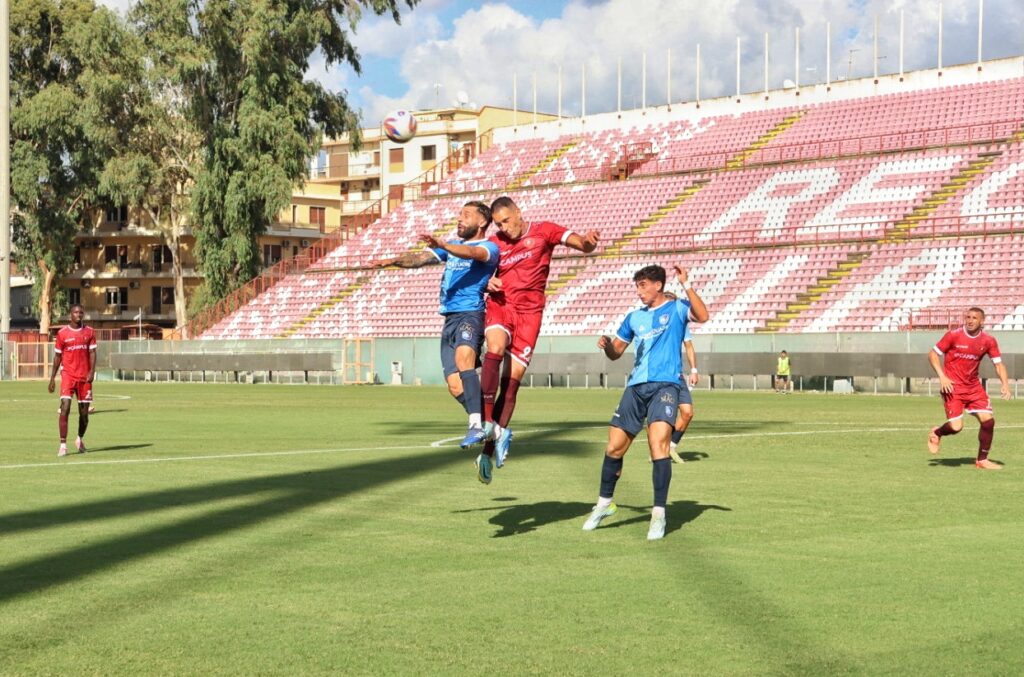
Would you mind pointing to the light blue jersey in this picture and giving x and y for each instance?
(465, 280)
(659, 336)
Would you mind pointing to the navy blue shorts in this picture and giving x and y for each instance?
(460, 329)
(654, 401)
(684, 394)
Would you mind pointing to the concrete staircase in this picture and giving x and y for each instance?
(637, 231)
(334, 300)
(548, 160)
(807, 298)
(738, 161)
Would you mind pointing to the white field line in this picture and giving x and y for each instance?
(441, 443)
(48, 399)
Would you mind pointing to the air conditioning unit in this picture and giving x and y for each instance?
(286, 243)
(135, 284)
(304, 243)
(86, 284)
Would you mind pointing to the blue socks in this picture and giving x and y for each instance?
(661, 477)
(471, 391)
(610, 472)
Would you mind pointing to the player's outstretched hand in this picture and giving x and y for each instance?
(431, 241)
(604, 341)
(50, 387)
(694, 378)
(681, 274)
(945, 384)
(590, 241)
(493, 285)
(1004, 392)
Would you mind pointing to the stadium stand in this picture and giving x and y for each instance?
(876, 213)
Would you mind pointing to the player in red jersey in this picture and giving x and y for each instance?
(75, 350)
(961, 388)
(515, 308)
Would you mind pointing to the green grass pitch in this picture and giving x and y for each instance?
(317, 530)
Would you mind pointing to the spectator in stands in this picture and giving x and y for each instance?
(962, 390)
(782, 372)
(469, 262)
(74, 355)
(652, 392)
(515, 308)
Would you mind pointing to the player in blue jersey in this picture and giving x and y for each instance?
(469, 262)
(652, 391)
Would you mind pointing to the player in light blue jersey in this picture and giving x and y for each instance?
(467, 270)
(652, 391)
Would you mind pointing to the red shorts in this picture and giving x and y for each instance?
(522, 328)
(972, 400)
(81, 389)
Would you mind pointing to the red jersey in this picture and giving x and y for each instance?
(525, 263)
(963, 355)
(74, 347)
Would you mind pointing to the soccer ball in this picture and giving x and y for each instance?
(400, 126)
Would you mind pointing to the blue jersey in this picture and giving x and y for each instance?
(659, 335)
(465, 280)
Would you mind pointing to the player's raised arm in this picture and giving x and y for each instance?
(584, 243)
(613, 347)
(462, 251)
(408, 260)
(698, 310)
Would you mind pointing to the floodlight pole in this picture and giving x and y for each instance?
(981, 23)
(643, 82)
(828, 54)
(618, 84)
(583, 90)
(940, 37)
(698, 73)
(901, 44)
(668, 77)
(737, 67)
(874, 47)
(559, 91)
(535, 97)
(515, 99)
(766, 65)
(796, 78)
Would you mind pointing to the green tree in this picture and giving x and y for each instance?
(58, 147)
(157, 149)
(241, 65)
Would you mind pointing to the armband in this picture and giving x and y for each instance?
(687, 286)
(694, 370)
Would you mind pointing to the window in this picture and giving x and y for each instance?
(117, 214)
(74, 296)
(116, 254)
(271, 254)
(396, 160)
(78, 256)
(295, 214)
(318, 165)
(318, 216)
(163, 298)
(428, 153)
(117, 297)
(161, 255)
(376, 158)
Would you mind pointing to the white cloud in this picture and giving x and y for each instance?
(481, 50)
(488, 44)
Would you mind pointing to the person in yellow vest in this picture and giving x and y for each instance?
(782, 370)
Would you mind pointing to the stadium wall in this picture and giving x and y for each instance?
(888, 362)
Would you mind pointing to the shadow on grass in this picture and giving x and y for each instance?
(956, 462)
(951, 462)
(693, 456)
(107, 411)
(120, 447)
(526, 517)
(677, 513)
(269, 498)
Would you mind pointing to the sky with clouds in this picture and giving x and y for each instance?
(444, 47)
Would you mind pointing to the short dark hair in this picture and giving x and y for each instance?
(976, 309)
(76, 305)
(482, 209)
(653, 273)
(783, 353)
(503, 202)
